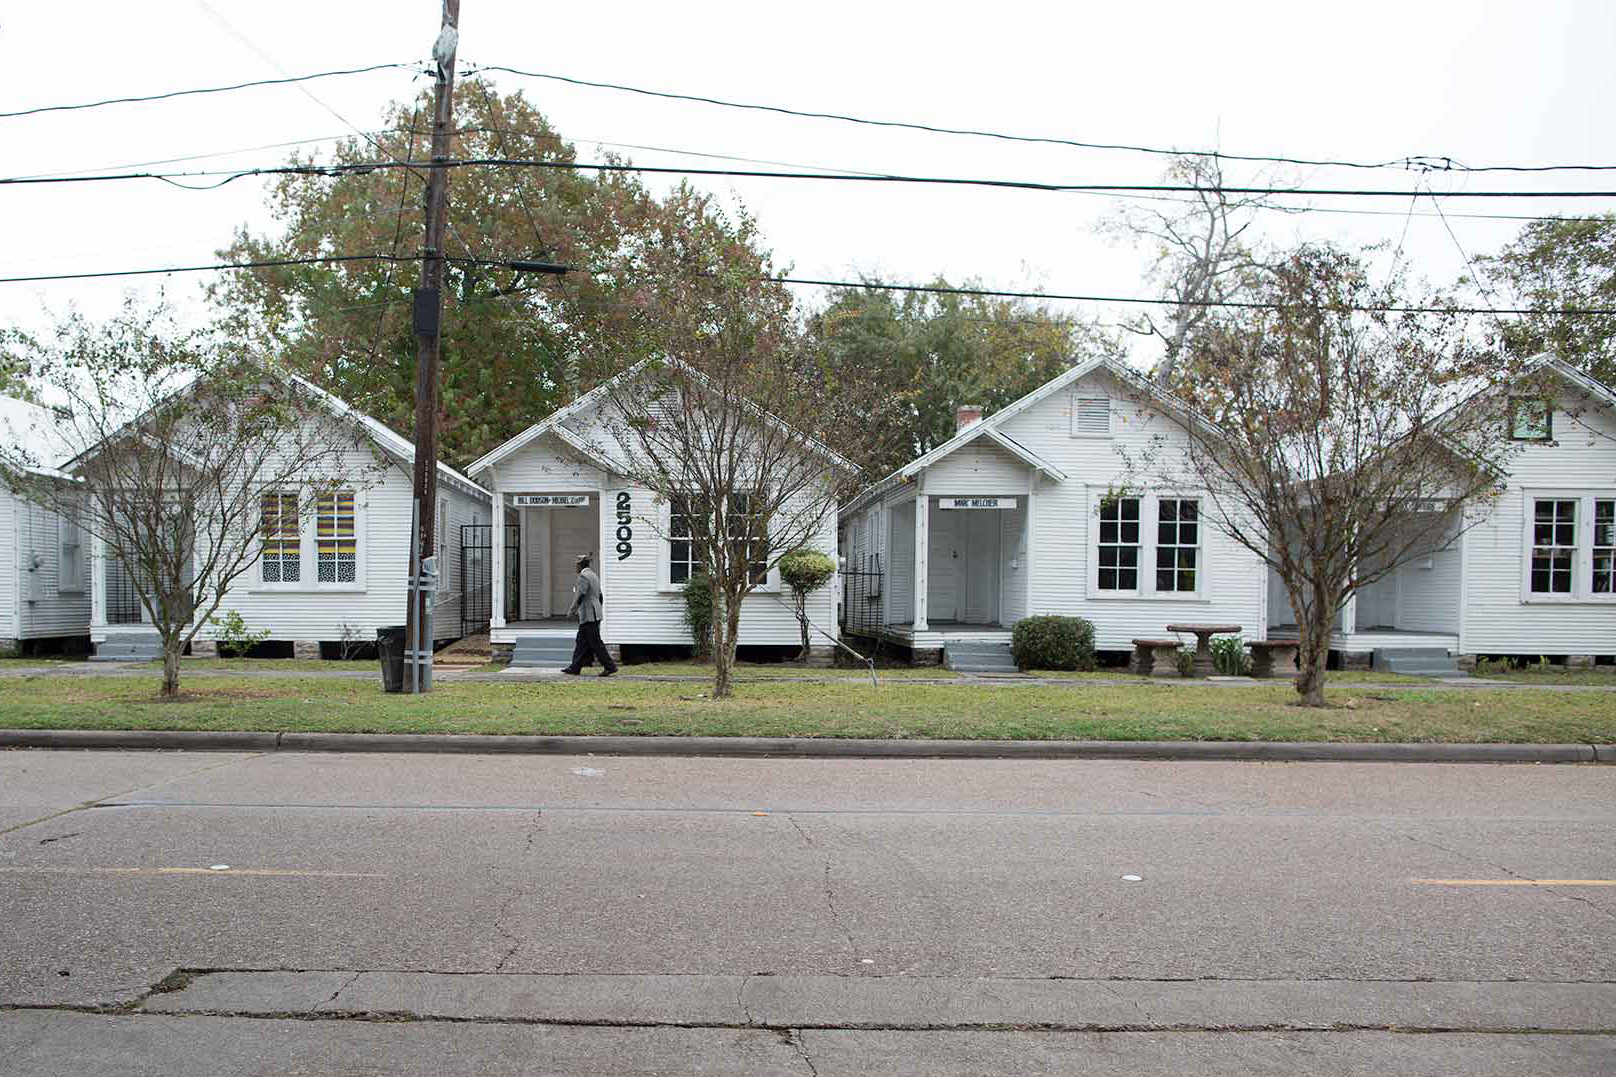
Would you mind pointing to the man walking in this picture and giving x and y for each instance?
(586, 603)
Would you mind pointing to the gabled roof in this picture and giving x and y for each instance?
(990, 426)
(554, 422)
(34, 429)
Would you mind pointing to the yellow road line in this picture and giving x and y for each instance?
(1513, 882)
(286, 872)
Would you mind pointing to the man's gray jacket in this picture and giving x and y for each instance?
(587, 596)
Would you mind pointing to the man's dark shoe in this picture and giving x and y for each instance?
(608, 672)
(569, 671)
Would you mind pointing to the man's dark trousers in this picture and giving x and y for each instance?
(589, 644)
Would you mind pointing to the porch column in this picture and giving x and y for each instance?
(1027, 576)
(98, 582)
(1349, 614)
(496, 576)
(922, 548)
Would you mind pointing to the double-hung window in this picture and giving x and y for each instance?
(70, 536)
(684, 555)
(1119, 544)
(1603, 581)
(1554, 545)
(282, 560)
(336, 538)
(748, 534)
(744, 532)
(1178, 544)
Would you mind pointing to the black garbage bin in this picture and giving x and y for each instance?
(390, 646)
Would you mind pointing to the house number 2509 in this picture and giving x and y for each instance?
(625, 532)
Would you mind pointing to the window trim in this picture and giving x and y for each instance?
(65, 526)
(665, 584)
(1594, 546)
(1198, 545)
(308, 557)
(1517, 405)
(1582, 592)
(1139, 546)
(298, 584)
(359, 556)
(1149, 516)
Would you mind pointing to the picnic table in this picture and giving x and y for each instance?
(1202, 666)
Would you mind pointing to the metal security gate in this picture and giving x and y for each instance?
(861, 596)
(476, 568)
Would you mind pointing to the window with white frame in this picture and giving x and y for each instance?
(443, 544)
(1178, 542)
(1603, 581)
(70, 537)
(1530, 419)
(1119, 544)
(749, 535)
(336, 541)
(282, 559)
(1554, 545)
(684, 555)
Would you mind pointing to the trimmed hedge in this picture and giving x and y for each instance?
(1053, 643)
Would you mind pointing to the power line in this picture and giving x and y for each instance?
(1421, 163)
(205, 90)
(949, 181)
(263, 264)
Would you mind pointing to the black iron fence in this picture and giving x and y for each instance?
(862, 596)
(476, 571)
(123, 593)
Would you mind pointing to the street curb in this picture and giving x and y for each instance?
(807, 747)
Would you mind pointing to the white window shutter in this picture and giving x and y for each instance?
(1091, 417)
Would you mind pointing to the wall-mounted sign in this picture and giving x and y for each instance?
(550, 501)
(976, 502)
(625, 528)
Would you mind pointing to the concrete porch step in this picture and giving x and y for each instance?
(129, 647)
(1416, 662)
(977, 656)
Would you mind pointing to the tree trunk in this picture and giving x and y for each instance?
(1313, 646)
(721, 654)
(171, 670)
(802, 622)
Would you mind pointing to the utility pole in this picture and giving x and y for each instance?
(428, 316)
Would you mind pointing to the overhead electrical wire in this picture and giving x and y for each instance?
(864, 285)
(1423, 163)
(857, 177)
(205, 90)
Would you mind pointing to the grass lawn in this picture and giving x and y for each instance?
(1145, 711)
(1555, 675)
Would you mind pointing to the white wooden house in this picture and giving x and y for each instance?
(333, 578)
(1013, 517)
(1534, 573)
(44, 582)
(557, 493)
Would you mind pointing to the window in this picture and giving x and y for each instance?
(443, 544)
(1554, 545)
(749, 536)
(1604, 559)
(1091, 417)
(283, 550)
(1530, 419)
(336, 538)
(1119, 544)
(684, 556)
(70, 536)
(1178, 537)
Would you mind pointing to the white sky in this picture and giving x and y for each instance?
(1484, 82)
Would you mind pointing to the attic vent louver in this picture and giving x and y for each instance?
(1091, 417)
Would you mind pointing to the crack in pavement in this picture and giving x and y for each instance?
(740, 998)
(829, 889)
(512, 893)
(349, 982)
(802, 1051)
(1511, 873)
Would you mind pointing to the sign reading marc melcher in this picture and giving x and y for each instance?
(550, 500)
(976, 502)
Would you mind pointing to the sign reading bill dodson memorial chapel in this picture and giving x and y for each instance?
(976, 502)
(554, 501)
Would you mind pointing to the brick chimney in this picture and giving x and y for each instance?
(967, 415)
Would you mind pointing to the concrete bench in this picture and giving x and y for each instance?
(1156, 657)
(1269, 654)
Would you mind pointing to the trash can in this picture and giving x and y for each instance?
(390, 647)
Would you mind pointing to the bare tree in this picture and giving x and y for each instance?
(1336, 442)
(187, 459)
(731, 423)
(1201, 253)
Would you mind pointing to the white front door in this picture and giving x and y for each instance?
(943, 566)
(535, 564)
(981, 566)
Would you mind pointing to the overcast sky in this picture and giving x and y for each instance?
(1483, 82)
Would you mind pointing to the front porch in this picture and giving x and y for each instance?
(939, 634)
(547, 627)
(1368, 640)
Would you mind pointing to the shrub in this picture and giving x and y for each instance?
(698, 594)
(1229, 656)
(1051, 642)
(806, 571)
(233, 637)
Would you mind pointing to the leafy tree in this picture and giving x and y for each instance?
(515, 346)
(930, 353)
(1335, 443)
(1556, 264)
(183, 453)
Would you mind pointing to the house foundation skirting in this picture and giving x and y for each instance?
(305, 648)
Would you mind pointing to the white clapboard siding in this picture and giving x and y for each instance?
(899, 579)
(9, 613)
(1428, 590)
(1497, 618)
(1234, 580)
(1013, 562)
(44, 610)
(641, 608)
(546, 465)
(977, 467)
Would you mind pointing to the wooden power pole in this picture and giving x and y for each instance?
(428, 318)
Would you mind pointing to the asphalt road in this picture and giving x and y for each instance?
(214, 913)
